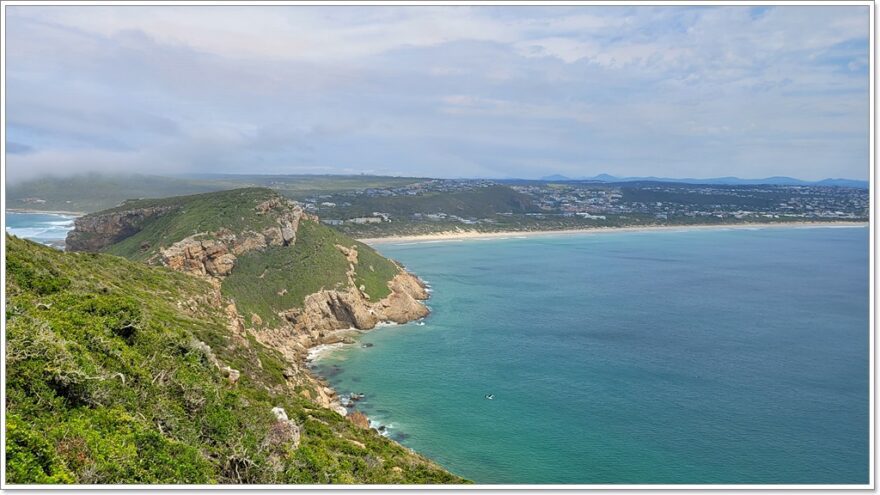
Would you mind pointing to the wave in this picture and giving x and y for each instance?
(322, 350)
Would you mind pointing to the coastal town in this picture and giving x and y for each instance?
(440, 204)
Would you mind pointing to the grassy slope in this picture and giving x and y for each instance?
(258, 282)
(208, 212)
(105, 385)
(260, 277)
(311, 265)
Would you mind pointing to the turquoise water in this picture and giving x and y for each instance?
(662, 357)
(46, 228)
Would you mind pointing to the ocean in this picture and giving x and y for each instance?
(45, 228)
(694, 356)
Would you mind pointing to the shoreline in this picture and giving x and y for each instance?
(47, 212)
(462, 235)
(320, 351)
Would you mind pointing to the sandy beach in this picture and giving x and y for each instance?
(470, 234)
(47, 212)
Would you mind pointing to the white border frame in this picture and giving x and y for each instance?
(872, 294)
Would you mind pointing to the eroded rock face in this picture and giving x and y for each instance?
(199, 257)
(97, 231)
(214, 254)
(327, 316)
(359, 419)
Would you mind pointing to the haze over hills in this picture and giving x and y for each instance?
(776, 180)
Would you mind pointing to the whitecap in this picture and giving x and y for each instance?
(322, 350)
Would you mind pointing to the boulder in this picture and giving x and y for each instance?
(280, 413)
(359, 419)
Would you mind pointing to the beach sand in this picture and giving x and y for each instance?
(47, 212)
(470, 234)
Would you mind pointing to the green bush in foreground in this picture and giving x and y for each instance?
(108, 382)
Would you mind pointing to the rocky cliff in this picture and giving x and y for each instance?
(262, 230)
(118, 372)
(97, 231)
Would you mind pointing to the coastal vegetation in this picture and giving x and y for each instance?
(151, 352)
(267, 282)
(119, 372)
(363, 206)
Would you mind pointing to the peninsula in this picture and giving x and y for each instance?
(174, 335)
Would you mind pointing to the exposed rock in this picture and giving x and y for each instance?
(256, 320)
(198, 256)
(359, 419)
(401, 307)
(273, 236)
(280, 413)
(220, 266)
(96, 231)
(231, 374)
(288, 232)
(408, 283)
(253, 241)
(283, 432)
(351, 254)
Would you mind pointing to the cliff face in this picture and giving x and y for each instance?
(97, 231)
(118, 372)
(214, 253)
(264, 230)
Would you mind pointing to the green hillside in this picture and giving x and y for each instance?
(279, 278)
(265, 281)
(199, 213)
(109, 380)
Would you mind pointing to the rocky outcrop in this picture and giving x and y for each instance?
(199, 257)
(330, 317)
(327, 316)
(284, 433)
(214, 253)
(98, 230)
(359, 419)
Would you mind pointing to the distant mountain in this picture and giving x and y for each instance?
(734, 181)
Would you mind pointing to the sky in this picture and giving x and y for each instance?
(491, 91)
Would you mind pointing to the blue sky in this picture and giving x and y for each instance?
(439, 91)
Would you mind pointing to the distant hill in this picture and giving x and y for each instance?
(94, 191)
(479, 202)
(98, 191)
(777, 180)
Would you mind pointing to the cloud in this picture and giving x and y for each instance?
(439, 91)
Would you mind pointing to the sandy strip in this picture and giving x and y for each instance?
(47, 212)
(470, 234)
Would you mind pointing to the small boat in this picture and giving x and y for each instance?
(490, 396)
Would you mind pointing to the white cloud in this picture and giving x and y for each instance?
(441, 90)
